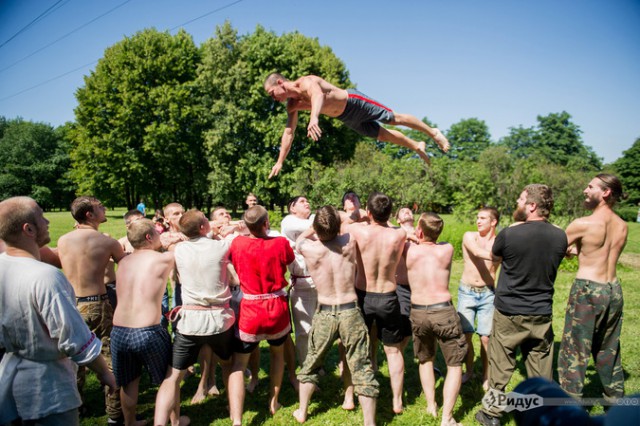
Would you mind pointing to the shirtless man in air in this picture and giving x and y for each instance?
(331, 259)
(433, 316)
(356, 110)
(138, 338)
(593, 319)
(84, 254)
(380, 247)
(476, 289)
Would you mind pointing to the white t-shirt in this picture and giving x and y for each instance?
(202, 267)
(291, 228)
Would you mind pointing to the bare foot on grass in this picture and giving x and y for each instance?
(348, 402)
(274, 406)
(199, 397)
(432, 410)
(300, 416)
(450, 422)
(213, 391)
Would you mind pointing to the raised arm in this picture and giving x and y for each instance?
(474, 249)
(306, 234)
(285, 142)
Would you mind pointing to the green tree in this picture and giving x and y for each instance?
(468, 139)
(139, 128)
(33, 162)
(628, 169)
(245, 125)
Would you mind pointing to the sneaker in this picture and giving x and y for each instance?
(486, 419)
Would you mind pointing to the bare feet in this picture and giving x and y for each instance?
(300, 416)
(213, 391)
(398, 407)
(441, 140)
(450, 422)
(422, 152)
(199, 396)
(274, 406)
(432, 410)
(467, 376)
(348, 402)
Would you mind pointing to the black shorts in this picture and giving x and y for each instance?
(243, 347)
(404, 298)
(186, 348)
(384, 310)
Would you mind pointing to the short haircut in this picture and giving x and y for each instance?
(14, 213)
(327, 223)
(493, 212)
(255, 217)
(190, 223)
(293, 200)
(213, 212)
(81, 206)
(542, 195)
(431, 225)
(273, 78)
(612, 183)
(350, 195)
(138, 231)
(380, 206)
(128, 216)
(173, 206)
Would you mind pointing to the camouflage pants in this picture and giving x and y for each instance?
(593, 322)
(349, 326)
(99, 318)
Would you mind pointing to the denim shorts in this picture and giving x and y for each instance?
(473, 303)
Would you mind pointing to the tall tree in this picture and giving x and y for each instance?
(468, 139)
(245, 125)
(139, 128)
(33, 162)
(628, 169)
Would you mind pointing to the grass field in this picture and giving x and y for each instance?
(325, 407)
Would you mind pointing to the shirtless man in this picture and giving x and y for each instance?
(332, 264)
(380, 248)
(405, 220)
(173, 212)
(476, 289)
(354, 109)
(433, 316)
(206, 318)
(84, 254)
(260, 262)
(138, 338)
(593, 318)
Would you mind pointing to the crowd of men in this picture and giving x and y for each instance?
(349, 276)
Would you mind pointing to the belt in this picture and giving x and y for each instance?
(92, 298)
(337, 308)
(474, 289)
(274, 295)
(434, 306)
(173, 314)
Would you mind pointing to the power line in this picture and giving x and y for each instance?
(39, 17)
(64, 36)
(93, 62)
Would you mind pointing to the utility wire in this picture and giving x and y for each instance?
(39, 17)
(91, 63)
(64, 36)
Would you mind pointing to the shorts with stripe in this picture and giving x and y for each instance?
(131, 348)
(363, 114)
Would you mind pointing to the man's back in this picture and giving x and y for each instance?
(601, 238)
(429, 268)
(84, 254)
(380, 249)
(332, 266)
(142, 278)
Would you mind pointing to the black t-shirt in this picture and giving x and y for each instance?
(531, 253)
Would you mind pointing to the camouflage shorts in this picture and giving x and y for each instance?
(349, 326)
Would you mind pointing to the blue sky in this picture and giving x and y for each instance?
(504, 62)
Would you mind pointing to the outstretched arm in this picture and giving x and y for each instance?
(285, 142)
(314, 89)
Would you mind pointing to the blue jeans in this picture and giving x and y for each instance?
(475, 303)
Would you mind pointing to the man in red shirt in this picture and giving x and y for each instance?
(261, 263)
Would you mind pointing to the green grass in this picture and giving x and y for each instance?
(325, 407)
